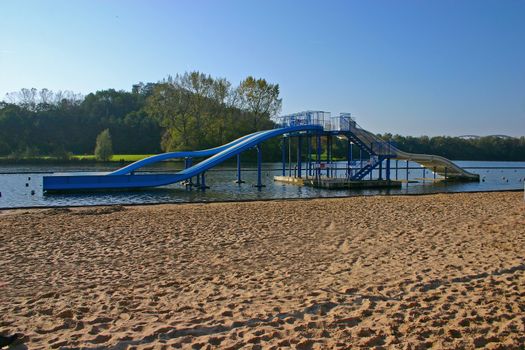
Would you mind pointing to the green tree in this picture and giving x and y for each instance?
(261, 99)
(104, 147)
(170, 107)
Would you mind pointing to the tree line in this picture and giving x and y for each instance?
(185, 112)
(189, 111)
(482, 148)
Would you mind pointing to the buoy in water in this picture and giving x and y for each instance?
(27, 185)
(32, 192)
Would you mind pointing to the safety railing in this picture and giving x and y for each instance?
(303, 118)
(378, 145)
(343, 122)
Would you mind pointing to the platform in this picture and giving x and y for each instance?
(337, 183)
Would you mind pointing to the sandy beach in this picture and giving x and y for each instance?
(400, 272)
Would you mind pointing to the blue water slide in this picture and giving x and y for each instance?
(116, 181)
(174, 155)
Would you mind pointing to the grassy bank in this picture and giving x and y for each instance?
(115, 158)
(248, 157)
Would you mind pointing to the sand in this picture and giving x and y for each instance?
(414, 272)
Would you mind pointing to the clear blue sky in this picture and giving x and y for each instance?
(408, 67)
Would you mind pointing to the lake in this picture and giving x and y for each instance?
(21, 185)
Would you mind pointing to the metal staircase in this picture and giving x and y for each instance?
(364, 171)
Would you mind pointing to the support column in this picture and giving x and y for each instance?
(397, 161)
(259, 167)
(349, 159)
(283, 155)
(299, 156)
(318, 144)
(360, 158)
(381, 170)
(407, 171)
(239, 180)
(187, 164)
(198, 184)
(328, 155)
(388, 169)
(203, 181)
(309, 150)
(289, 156)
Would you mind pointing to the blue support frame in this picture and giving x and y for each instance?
(299, 156)
(239, 179)
(187, 164)
(309, 150)
(349, 158)
(283, 155)
(328, 155)
(289, 156)
(203, 181)
(259, 167)
(318, 144)
(198, 184)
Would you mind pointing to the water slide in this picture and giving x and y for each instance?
(174, 155)
(122, 179)
(440, 165)
(125, 178)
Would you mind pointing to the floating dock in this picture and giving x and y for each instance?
(338, 183)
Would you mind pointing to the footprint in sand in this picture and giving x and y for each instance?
(332, 227)
(345, 247)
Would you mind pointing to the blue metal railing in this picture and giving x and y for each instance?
(302, 118)
(343, 122)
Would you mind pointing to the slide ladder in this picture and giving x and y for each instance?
(361, 173)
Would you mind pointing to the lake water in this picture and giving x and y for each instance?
(21, 185)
